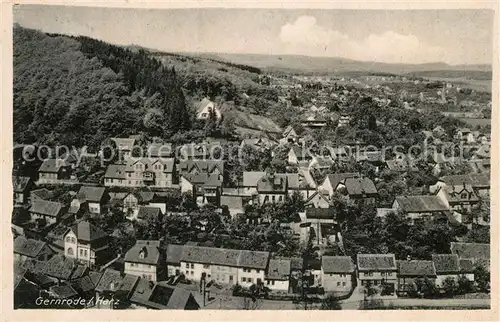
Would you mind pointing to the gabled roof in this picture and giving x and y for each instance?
(225, 257)
(125, 144)
(41, 193)
(473, 179)
(63, 291)
(296, 263)
(416, 268)
(145, 252)
(206, 166)
(446, 263)
(360, 186)
(337, 264)
(204, 179)
(148, 212)
(148, 163)
(174, 253)
(279, 269)
(251, 178)
(92, 194)
(466, 265)
(116, 171)
(373, 262)
(44, 207)
(61, 267)
(83, 284)
(210, 255)
(473, 251)
(336, 178)
(85, 231)
(203, 103)
(253, 259)
(28, 247)
(20, 184)
(52, 165)
(109, 281)
(421, 204)
(161, 296)
(272, 183)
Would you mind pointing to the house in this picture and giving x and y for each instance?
(314, 121)
(339, 154)
(259, 144)
(146, 260)
(337, 273)
(22, 187)
(344, 120)
(272, 188)
(250, 181)
(234, 205)
(86, 243)
(51, 211)
(205, 108)
(480, 183)
(91, 199)
(124, 147)
(40, 194)
(26, 248)
(378, 269)
(152, 172)
(447, 266)
(161, 296)
(465, 135)
(205, 188)
(320, 162)
(318, 200)
(251, 267)
(149, 213)
(289, 135)
(277, 276)
(174, 253)
(59, 267)
(419, 207)
(226, 266)
(331, 182)
(199, 151)
(458, 198)
(56, 171)
(298, 155)
(481, 166)
(409, 271)
(357, 188)
(201, 166)
(115, 175)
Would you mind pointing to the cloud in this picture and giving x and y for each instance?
(306, 37)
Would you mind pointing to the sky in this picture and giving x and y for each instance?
(389, 36)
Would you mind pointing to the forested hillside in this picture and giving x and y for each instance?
(80, 91)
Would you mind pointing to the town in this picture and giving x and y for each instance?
(346, 192)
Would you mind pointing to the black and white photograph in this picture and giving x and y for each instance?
(251, 158)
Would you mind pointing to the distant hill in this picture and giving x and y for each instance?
(326, 65)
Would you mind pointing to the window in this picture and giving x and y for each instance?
(85, 253)
(70, 251)
(68, 239)
(231, 278)
(192, 266)
(268, 282)
(81, 252)
(272, 282)
(375, 282)
(192, 273)
(389, 274)
(206, 266)
(250, 280)
(73, 240)
(243, 279)
(343, 283)
(338, 283)
(258, 271)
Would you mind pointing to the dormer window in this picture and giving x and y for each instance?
(143, 253)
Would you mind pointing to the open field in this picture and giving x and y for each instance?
(481, 85)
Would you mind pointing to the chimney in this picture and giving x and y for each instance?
(408, 258)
